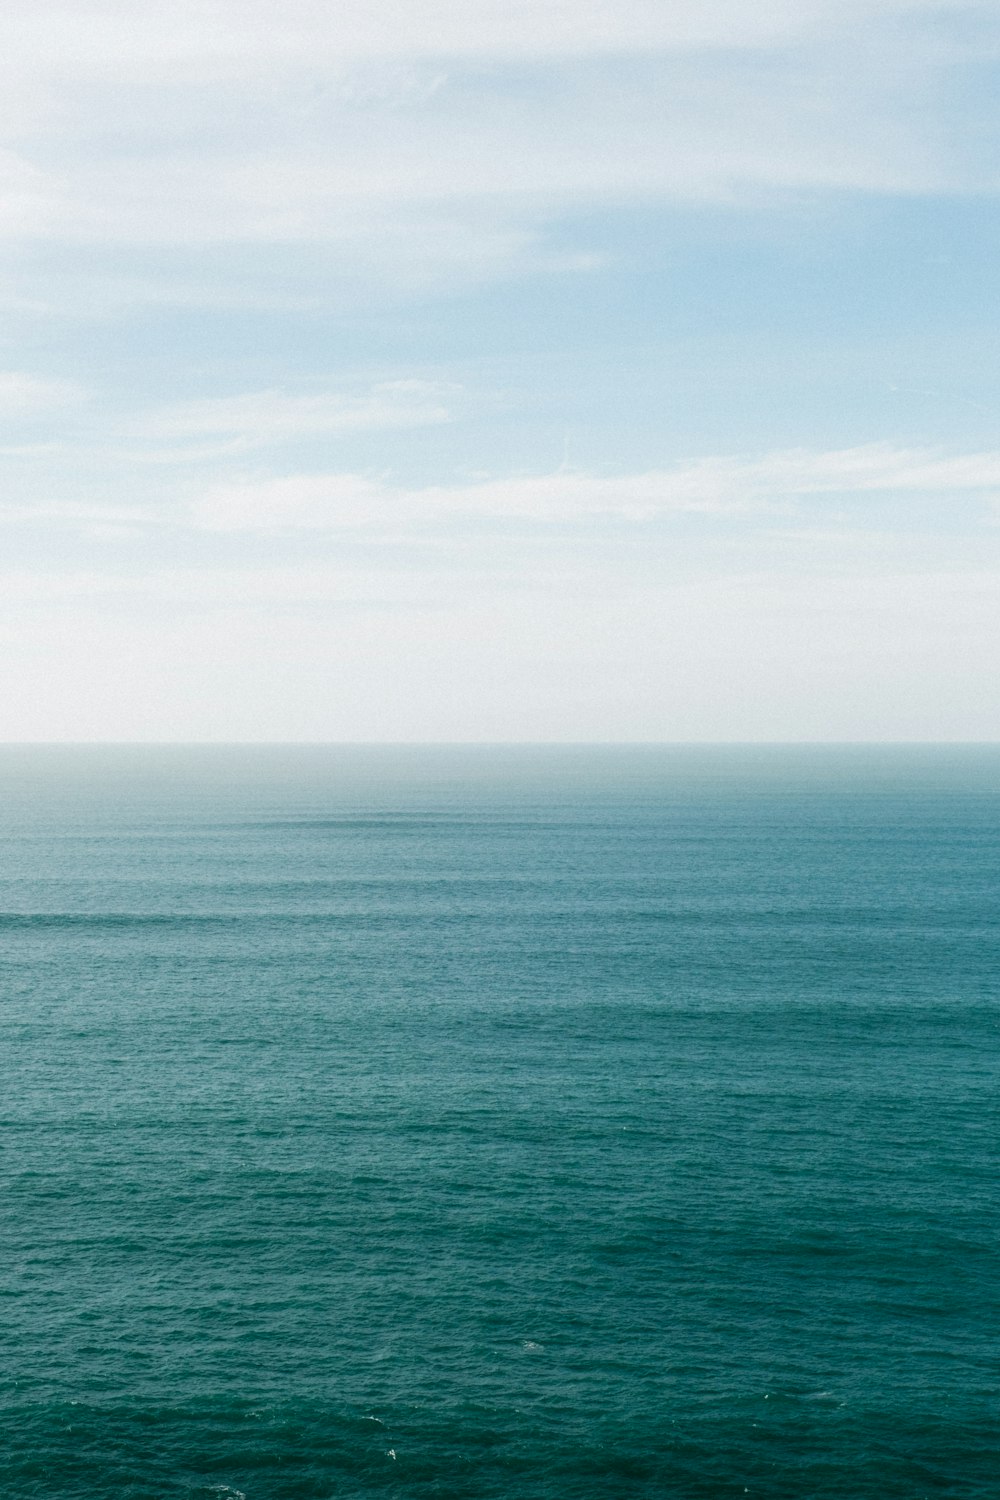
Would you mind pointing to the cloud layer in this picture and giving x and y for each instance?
(711, 486)
(498, 368)
(466, 127)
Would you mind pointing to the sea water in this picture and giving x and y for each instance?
(522, 1123)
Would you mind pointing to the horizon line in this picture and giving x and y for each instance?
(345, 744)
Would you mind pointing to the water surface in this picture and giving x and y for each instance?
(510, 1123)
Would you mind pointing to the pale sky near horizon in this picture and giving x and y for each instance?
(457, 370)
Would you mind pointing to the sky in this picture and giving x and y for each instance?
(458, 370)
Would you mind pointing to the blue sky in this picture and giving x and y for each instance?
(486, 371)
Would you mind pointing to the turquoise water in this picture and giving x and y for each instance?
(499, 1123)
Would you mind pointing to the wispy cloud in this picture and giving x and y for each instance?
(215, 39)
(23, 395)
(259, 419)
(634, 231)
(798, 487)
(464, 129)
(726, 485)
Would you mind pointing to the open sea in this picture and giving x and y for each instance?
(499, 1123)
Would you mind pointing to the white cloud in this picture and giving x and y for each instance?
(710, 486)
(59, 515)
(791, 490)
(471, 124)
(212, 40)
(237, 155)
(243, 620)
(356, 502)
(495, 160)
(260, 418)
(24, 396)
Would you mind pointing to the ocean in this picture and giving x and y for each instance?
(499, 1123)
